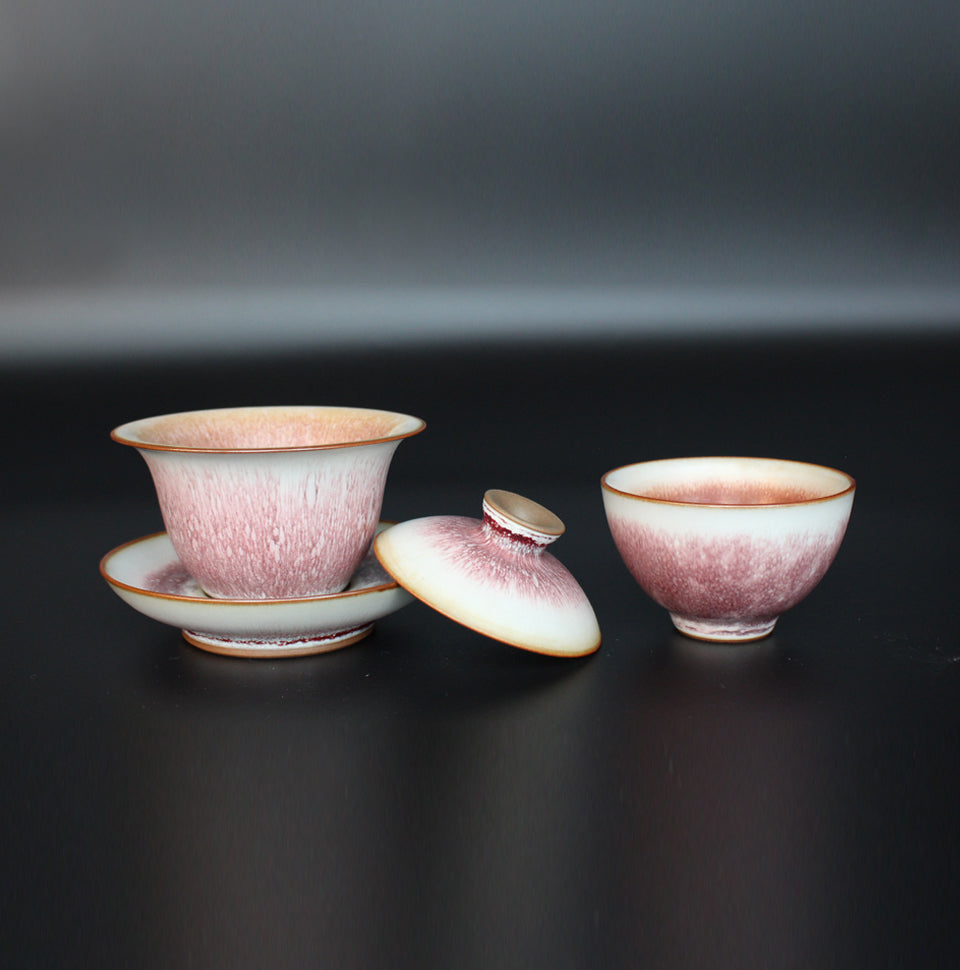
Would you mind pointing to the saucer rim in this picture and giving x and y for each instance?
(382, 526)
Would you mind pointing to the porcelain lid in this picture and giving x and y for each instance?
(494, 575)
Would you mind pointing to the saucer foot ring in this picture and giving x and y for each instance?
(723, 631)
(279, 647)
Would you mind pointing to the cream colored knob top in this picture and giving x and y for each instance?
(519, 518)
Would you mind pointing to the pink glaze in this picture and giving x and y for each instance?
(493, 558)
(727, 544)
(246, 530)
(267, 428)
(725, 578)
(270, 502)
(494, 575)
(730, 493)
(172, 580)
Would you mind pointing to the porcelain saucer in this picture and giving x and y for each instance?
(147, 575)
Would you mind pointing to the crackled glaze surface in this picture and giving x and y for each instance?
(727, 545)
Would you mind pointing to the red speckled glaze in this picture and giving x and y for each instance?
(491, 557)
(173, 580)
(276, 534)
(745, 581)
(494, 576)
(276, 647)
(727, 544)
(270, 502)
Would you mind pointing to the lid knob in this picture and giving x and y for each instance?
(519, 519)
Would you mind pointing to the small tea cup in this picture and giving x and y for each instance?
(726, 545)
(270, 502)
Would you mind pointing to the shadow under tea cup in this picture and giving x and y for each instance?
(727, 544)
(270, 502)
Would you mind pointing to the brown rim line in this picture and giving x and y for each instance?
(542, 651)
(140, 591)
(117, 436)
(732, 505)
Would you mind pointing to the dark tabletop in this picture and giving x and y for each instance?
(432, 798)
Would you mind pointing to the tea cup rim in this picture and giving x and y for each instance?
(833, 496)
(126, 433)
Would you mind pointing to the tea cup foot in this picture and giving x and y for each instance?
(723, 630)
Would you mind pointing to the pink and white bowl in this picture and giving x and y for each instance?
(270, 502)
(727, 545)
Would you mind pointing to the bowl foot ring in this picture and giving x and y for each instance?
(723, 631)
(279, 647)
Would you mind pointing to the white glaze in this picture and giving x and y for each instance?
(494, 577)
(270, 502)
(254, 628)
(726, 572)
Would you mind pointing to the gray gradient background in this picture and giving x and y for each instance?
(187, 176)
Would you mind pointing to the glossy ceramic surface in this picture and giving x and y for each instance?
(494, 575)
(727, 545)
(270, 502)
(147, 574)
